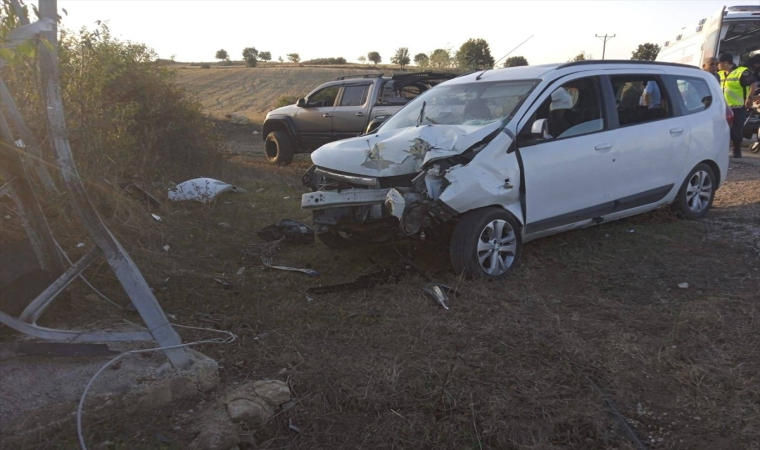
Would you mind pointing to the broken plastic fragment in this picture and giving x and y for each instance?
(268, 263)
(166, 248)
(438, 292)
(156, 217)
(683, 285)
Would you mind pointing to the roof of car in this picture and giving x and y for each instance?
(540, 71)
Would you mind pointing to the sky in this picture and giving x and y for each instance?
(193, 30)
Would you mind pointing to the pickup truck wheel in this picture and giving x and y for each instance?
(697, 193)
(487, 244)
(278, 148)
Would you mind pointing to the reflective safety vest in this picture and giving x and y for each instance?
(735, 93)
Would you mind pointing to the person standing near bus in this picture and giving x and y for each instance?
(711, 65)
(738, 86)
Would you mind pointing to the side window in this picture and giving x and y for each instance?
(324, 97)
(354, 95)
(574, 109)
(639, 99)
(695, 94)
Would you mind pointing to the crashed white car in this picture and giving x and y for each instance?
(514, 154)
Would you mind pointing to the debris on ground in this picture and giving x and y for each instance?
(166, 248)
(223, 282)
(251, 405)
(384, 276)
(139, 193)
(289, 231)
(439, 293)
(240, 272)
(203, 190)
(224, 225)
(268, 263)
(156, 217)
(683, 285)
(238, 119)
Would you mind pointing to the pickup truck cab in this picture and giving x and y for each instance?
(345, 107)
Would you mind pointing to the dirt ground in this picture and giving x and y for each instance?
(593, 320)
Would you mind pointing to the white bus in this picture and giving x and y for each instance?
(733, 29)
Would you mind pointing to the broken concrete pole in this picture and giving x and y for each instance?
(251, 404)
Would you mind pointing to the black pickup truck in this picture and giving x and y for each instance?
(345, 107)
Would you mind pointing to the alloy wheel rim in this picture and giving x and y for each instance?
(699, 191)
(497, 246)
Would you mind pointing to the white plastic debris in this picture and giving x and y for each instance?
(240, 271)
(80, 245)
(201, 190)
(166, 248)
(156, 217)
(268, 263)
(255, 132)
(631, 230)
(683, 285)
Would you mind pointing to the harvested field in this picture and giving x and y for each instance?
(592, 318)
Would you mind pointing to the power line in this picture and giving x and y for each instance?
(604, 39)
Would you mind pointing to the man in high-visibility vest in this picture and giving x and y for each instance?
(738, 86)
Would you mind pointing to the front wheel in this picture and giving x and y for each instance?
(486, 243)
(697, 193)
(278, 148)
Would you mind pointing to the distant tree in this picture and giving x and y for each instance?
(440, 59)
(250, 55)
(401, 57)
(515, 61)
(582, 56)
(294, 57)
(279, 58)
(421, 59)
(646, 52)
(222, 55)
(474, 54)
(374, 57)
(362, 59)
(265, 56)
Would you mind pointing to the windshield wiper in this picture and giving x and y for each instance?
(422, 114)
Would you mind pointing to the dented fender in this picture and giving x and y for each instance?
(491, 178)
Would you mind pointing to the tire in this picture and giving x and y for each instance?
(697, 193)
(278, 148)
(476, 231)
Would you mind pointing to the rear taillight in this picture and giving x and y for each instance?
(729, 116)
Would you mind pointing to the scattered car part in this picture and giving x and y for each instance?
(289, 231)
(438, 292)
(202, 190)
(223, 282)
(268, 263)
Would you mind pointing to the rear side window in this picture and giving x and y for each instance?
(640, 99)
(695, 94)
(354, 95)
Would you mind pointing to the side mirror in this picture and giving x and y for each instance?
(539, 127)
(301, 103)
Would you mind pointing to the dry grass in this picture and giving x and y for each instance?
(509, 366)
(254, 91)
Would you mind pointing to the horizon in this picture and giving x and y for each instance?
(280, 37)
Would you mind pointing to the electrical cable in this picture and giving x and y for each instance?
(230, 339)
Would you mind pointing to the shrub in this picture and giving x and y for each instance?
(286, 100)
(205, 66)
(326, 61)
(125, 115)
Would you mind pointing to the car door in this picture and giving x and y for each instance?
(350, 113)
(652, 141)
(315, 119)
(568, 178)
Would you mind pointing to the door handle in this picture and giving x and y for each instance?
(360, 114)
(603, 147)
(326, 115)
(676, 131)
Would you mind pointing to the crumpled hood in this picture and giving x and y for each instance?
(401, 151)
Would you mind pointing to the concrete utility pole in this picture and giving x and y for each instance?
(604, 39)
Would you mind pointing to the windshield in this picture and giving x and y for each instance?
(463, 104)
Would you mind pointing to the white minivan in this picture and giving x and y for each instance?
(501, 157)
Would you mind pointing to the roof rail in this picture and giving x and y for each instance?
(625, 61)
(366, 75)
(445, 75)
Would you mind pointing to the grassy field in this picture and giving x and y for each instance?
(592, 318)
(254, 91)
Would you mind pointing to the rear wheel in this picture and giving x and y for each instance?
(279, 148)
(697, 193)
(486, 244)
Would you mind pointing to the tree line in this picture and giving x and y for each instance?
(474, 54)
